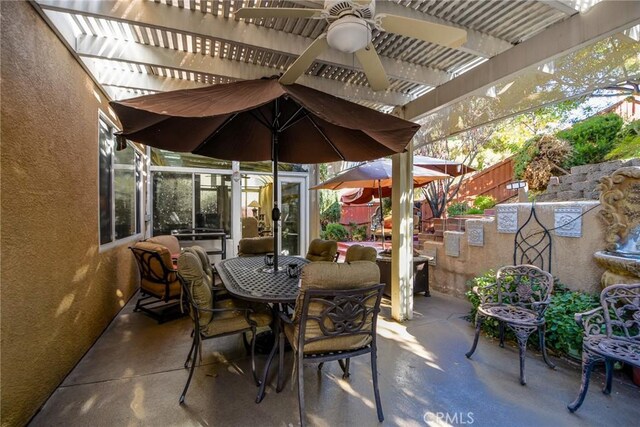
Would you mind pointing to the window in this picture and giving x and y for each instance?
(191, 200)
(120, 187)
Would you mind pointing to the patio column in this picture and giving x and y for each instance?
(402, 236)
(314, 203)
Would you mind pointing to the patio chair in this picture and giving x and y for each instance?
(255, 246)
(171, 242)
(361, 253)
(334, 319)
(250, 227)
(213, 317)
(322, 250)
(518, 300)
(159, 285)
(611, 334)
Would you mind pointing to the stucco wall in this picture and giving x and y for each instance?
(58, 291)
(572, 258)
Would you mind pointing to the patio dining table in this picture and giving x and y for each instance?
(246, 278)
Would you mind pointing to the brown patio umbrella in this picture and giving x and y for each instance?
(450, 167)
(263, 120)
(377, 175)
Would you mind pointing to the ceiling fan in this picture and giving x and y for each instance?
(351, 24)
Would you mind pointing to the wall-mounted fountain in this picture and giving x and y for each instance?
(620, 199)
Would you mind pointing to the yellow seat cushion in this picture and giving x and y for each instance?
(254, 246)
(230, 321)
(322, 250)
(361, 253)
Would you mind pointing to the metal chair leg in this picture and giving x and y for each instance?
(299, 361)
(320, 365)
(344, 365)
(254, 333)
(522, 337)
(543, 346)
(193, 368)
(608, 363)
(280, 382)
(479, 320)
(376, 391)
(588, 360)
(186, 362)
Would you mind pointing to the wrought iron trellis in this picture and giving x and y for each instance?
(534, 248)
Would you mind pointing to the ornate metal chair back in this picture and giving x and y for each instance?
(523, 286)
(154, 263)
(621, 304)
(347, 316)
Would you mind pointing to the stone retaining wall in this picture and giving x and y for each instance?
(582, 183)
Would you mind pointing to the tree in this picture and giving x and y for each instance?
(463, 148)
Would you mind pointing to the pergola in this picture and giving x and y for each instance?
(138, 47)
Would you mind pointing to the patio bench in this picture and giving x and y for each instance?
(611, 334)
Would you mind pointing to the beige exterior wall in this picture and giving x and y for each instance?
(572, 258)
(59, 291)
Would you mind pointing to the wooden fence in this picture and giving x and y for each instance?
(489, 182)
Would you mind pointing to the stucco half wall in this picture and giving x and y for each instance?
(572, 257)
(59, 291)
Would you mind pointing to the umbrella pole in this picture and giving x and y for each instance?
(381, 214)
(275, 213)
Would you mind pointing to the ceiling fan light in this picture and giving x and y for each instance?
(349, 34)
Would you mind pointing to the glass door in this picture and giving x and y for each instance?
(293, 217)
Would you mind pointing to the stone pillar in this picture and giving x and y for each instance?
(402, 236)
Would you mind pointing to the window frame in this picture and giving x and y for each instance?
(138, 169)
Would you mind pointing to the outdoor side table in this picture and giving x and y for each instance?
(420, 274)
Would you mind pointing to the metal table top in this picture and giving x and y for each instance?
(244, 278)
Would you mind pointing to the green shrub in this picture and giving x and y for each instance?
(457, 208)
(591, 139)
(330, 214)
(484, 202)
(474, 211)
(563, 334)
(358, 232)
(335, 231)
(627, 143)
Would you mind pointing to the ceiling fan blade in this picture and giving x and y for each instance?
(370, 61)
(305, 60)
(277, 12)
(443, 35)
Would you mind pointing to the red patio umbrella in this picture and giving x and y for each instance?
(262, 120)
(376, 175)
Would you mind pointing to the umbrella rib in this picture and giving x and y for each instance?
(263, 121)
(217, 131)
(325, 137)
(291, 120)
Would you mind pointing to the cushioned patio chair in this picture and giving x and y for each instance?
(213, 317)
(361, 253)
(255, 246)
(611, 334)
(250, 227)
(171, 242)
(322, 250)
(159, 285)
(335, 318)
(518, 300)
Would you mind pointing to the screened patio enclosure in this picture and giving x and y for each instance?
(187, 191)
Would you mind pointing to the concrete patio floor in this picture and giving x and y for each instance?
(134, 375)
